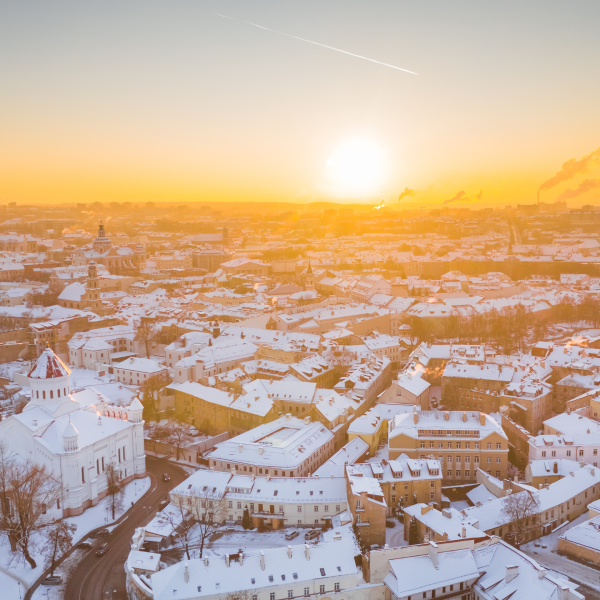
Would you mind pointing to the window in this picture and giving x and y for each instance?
(290, 593)
(322, 589)
(489, 446)
(458, 473)
(489, 459)
(498, 460)
(82, 475)
(422, 444)
(272, 596)
(230, 504)
(337, 508)
(498, 446)
(595, 451)
(476, 459)
(553, 453)
(239, 505)
(568, 453)
(581, 453)
(306, 591)
(281, 509)
(448, 473)
(467, 474)
(317, 509)
(432, 484)
(336, 587)
(299, 509)
(326, 508)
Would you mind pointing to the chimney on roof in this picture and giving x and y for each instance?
(463, 532)
(582, 464)
(446, 415)
(241, 559)
(433, 554)
(482, 419)
(511, 572)
(464, 417)
(306, 420)
(186, 572)
(289, 551)
(262, 560)
(206, 561)
(415, 417)
(288, 417)
(307, 551)
(541, 573)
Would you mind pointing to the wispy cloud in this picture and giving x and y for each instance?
(460, 197)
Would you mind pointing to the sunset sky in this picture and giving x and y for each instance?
(166, 101)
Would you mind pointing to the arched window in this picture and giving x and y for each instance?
(51, 394)
(59, 393)
(65, 390)
(37, 395)
(82, 475)
(43, 395)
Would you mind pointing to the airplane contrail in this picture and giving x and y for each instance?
(317, 44)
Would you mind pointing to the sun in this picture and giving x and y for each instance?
(357, 166)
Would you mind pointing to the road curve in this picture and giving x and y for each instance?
(103, 578)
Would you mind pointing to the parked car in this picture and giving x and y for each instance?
(84, 545)
(311, 535)
(166, 477)
(291, 535)
(52, 580)
(102, 549)
(164, 502)
(101, 533)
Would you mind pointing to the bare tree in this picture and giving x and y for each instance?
(59, 539)
(206, 507)
(27, 491)
(521, 511)
(178, 435)
(114, 488)
(145, 333)
(181, 520)
(151, 389)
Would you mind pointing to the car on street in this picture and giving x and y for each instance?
(101, 533)
(311, 535)
(52, 580)
(102, 549)
(84, 545)
(291, 535)
(164, 502)
(166, 477)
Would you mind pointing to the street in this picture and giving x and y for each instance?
(103, 578)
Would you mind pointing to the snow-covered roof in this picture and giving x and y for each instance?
(326, 562)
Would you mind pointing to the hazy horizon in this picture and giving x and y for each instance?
(172, 103)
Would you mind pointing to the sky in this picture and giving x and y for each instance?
(167, 101)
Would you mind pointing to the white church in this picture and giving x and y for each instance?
(75, 442)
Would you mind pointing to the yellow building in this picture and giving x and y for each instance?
(461, 441)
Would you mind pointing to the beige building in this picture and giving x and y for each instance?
(461, 441)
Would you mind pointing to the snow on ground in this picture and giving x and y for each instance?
(564, 567)
(99, 515)
(394, 537)
(231, 542)
(92, 518)
(10, 588)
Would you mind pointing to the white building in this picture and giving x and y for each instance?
(273, 502)
(74, 443)
(287, 447)
(136, 371)
(88, 349)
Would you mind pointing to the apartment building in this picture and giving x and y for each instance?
(461, 441)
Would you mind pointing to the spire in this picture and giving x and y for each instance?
(309, 271)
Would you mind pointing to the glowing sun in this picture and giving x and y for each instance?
(357, 166)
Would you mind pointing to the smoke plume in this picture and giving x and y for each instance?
(572, 168)
(460, 197)
(405, 193)
(380, 205)
(480, 195)
(585, 186)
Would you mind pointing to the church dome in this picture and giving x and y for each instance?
(48, 366)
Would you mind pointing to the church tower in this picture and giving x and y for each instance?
(101, 244)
